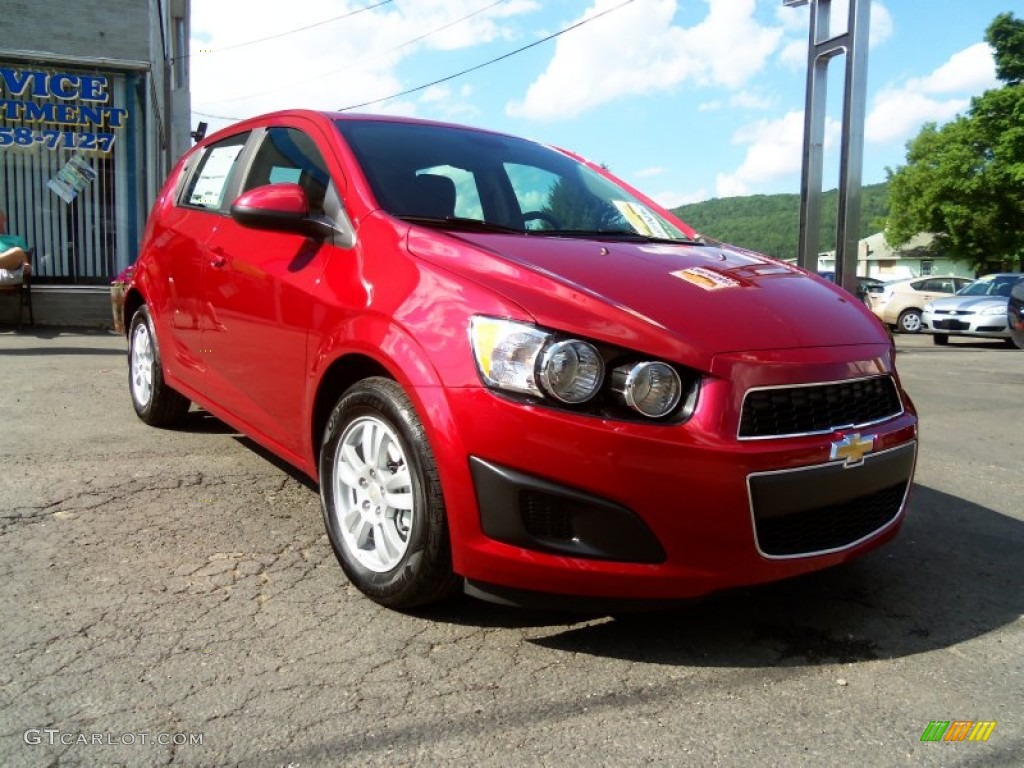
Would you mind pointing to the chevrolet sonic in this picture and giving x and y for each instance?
(510, 372)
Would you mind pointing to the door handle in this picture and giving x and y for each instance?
(218, 261)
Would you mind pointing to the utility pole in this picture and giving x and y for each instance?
(821, 50)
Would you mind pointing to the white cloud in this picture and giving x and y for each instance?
(340, 62)
(647, 173)
(774, 152)
(637, 50)
(449, 104)
(709, 106)
(971, 70)
(881, 25)
(673, 199)
(898, 112)
(793, 54)
(751, 100)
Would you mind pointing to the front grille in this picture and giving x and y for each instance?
(830, 527)
(818, 408)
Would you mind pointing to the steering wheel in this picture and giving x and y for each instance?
(547, 218)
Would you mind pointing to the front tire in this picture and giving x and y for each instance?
(941, 339)
(909, 321)
(381, 498)
(155, 403)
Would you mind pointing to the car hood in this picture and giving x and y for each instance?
(969, 303)
(707, 299)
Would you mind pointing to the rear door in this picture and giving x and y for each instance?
(936, 288)
(190, 224)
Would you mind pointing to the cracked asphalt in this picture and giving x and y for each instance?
(169, 597)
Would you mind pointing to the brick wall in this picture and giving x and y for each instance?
(117, 28)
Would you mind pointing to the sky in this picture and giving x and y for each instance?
(685, 99)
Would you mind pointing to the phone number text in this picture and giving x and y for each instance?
(53, 139)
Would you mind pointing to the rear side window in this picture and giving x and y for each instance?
(209, 183)
(937, 284)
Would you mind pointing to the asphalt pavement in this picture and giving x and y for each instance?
(169, 596)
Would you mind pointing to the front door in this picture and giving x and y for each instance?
(258, 287)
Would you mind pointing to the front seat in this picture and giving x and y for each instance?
(431, 195)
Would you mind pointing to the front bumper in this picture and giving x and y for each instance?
(983, 326)
(691, 503)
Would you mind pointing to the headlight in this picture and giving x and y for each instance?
(506, 353)
(520, 358)
(993, 311)
(929, 307)
(571, 371)
(653, 389)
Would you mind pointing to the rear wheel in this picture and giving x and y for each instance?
(155, 403)
(942, 339)
(909, 321)
(381, 498)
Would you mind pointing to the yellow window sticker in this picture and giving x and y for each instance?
(643, 220)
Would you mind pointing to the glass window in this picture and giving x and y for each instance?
(290, 155)
(501, 180)
(209, 183)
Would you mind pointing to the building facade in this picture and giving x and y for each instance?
(94, 111)
(916, 258)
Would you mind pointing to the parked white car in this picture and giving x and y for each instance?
(979, 310)
(901, 302)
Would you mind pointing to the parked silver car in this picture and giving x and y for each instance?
(979, 310)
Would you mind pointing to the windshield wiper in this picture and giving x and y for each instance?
(617, 234)
(459, 222)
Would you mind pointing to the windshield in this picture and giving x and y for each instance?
(461, 177)
(990, 286)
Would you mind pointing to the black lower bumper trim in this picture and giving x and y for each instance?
(529, 512)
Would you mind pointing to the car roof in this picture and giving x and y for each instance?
(321, 115)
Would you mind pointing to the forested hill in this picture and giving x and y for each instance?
(771, 223)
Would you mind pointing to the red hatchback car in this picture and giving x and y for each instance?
(509, 371)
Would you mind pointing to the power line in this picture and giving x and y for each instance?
(418, 88)
(293, 31)
(368, 56)
(486, 63)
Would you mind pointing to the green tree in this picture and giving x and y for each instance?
(964, 181)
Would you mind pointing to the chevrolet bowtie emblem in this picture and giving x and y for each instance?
(852, 448)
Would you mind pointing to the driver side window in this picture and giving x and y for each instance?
(289, 155)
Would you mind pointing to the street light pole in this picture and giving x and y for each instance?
(821, 50)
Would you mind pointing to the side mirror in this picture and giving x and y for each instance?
(1015, 313)
(280, 208)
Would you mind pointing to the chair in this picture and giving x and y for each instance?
(24, 291)
(431, 195)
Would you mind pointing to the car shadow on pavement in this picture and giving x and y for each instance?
(954, 573)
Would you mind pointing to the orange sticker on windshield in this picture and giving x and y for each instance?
(707, 279)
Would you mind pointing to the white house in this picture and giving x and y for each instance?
(876, 258)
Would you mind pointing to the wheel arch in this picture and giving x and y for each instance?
(132, 301)
(341, 374)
